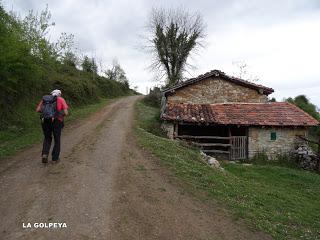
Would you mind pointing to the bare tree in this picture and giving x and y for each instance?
(174, 35)
(243, 71)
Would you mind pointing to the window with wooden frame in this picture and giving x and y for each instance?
(273, 136)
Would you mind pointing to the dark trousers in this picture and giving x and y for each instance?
(50, 128)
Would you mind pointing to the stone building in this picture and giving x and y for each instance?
(227, 115)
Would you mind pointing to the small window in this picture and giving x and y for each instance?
(273, 136)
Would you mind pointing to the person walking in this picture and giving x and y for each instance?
(52, 109)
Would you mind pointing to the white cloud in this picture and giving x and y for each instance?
(279, 40)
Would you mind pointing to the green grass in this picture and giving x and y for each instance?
(282, 160)
(283, 202)
(15, 139)
(149, 119)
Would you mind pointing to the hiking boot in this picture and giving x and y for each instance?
(44, 158)
(55, 160)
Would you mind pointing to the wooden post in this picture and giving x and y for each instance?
(247, 143)
(230, 142)
(175, 130)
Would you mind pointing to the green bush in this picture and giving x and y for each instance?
(153, 99)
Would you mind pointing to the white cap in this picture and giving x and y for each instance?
(56, 92)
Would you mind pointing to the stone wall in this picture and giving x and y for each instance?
(215, 90)
(260, 140)
(168, 128)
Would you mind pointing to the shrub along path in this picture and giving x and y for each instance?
(104, 188)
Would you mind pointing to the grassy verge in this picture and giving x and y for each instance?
(15, 139)
(283, 202)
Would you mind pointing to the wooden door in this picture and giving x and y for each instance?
(239, 147)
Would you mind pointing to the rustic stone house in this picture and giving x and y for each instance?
(227, 115)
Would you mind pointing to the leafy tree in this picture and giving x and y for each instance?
(18, 70)
(89, 65)
(70, 59)
(64, 44)
(35, 29)
(116, 73)
(303, 102)
(272, 99)
(175, 34)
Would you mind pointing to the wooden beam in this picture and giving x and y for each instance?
(215, 151)
(212, 144)
(308, 140)
(202, 137)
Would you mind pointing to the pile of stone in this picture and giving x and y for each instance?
(211, 161)
(307, 158)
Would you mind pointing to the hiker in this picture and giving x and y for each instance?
(52, 109)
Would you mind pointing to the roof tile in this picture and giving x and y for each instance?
(257, 114)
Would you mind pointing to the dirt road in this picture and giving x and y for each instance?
(104, 188)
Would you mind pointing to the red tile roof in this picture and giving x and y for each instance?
(218, 73)
(255, 114)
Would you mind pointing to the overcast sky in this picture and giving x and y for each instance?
(278, 39)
